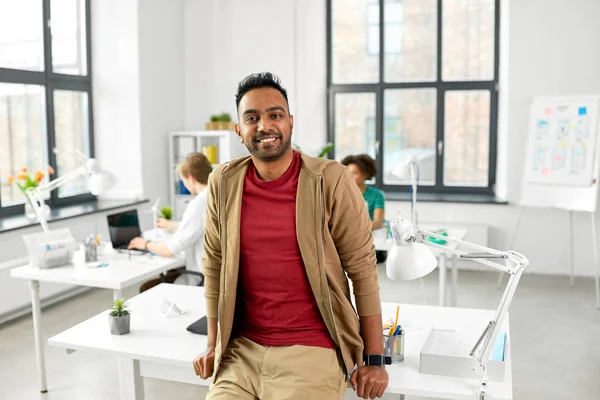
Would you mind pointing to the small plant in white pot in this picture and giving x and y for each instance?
(119, 317)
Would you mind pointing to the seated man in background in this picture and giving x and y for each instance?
(363, 168)
(189, 233)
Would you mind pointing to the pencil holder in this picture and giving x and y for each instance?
(91, 253)
(394, 346)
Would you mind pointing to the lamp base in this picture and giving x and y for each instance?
(446, 352)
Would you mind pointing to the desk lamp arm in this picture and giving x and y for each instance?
(403, 231)
(515, 264)
(35, 195)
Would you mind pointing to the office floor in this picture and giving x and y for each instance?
(555, 337)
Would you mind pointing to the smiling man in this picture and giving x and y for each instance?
(282, 231)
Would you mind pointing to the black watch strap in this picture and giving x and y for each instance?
(377, 360)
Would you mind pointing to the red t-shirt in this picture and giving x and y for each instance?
(276, 306)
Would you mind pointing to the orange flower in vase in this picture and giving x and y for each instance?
(26, 181)
(39, 175)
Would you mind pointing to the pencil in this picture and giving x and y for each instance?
(396, 322)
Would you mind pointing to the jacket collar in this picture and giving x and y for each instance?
(312, 165)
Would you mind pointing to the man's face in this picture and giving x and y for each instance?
(265, 125)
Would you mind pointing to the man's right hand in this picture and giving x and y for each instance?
(205, 363)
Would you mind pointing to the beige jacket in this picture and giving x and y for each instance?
(334, 236)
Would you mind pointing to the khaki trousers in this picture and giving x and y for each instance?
(251, 371)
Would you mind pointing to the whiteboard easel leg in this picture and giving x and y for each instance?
(512, 242)
(571, 248)
(595, 258)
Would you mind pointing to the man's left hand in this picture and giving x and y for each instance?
(369, 382)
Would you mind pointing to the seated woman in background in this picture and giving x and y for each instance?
(363, 168)
(189, 233)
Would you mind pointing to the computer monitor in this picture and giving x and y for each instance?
(123, 227)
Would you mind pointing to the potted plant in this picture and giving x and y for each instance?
(26, 181)
(220, 122)
(119, 317)
(166, 212)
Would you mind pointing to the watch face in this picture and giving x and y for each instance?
(374, 360)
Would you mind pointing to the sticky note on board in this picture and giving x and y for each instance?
(582, 111)
(548, 111)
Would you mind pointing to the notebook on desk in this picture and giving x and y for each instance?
(199, 327)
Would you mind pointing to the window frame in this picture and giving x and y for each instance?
(441, 87)
(52, 81)
(370, 25)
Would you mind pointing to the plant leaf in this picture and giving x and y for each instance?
(326, 149)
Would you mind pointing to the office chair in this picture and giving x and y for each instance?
(190, 278)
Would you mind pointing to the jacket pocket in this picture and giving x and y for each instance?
(346, 321)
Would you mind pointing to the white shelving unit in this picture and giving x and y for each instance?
(182, 143)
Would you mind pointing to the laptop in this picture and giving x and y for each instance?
(123, 227)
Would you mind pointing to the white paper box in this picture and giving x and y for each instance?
(446, 352)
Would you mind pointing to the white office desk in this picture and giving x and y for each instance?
(122, 271)
(160, 347)
(383, 243)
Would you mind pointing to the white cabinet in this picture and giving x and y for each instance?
(218, 146)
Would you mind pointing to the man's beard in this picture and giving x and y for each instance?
(271, 153)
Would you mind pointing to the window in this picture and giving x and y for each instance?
(424, 84)
(45, 95)
(393, 28)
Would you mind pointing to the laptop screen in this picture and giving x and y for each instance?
(123, 227)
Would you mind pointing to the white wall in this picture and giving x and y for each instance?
(160, 31)
(549, 47)
(227, 40)
(561, 56)
(116, 96)
(138, 91)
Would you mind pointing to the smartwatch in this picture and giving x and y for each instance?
(377, 360)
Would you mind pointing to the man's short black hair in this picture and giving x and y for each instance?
(256, 81)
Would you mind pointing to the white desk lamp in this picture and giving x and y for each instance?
(99, 182)
(410, 172)
(410, 258)
(154, 210)
(155, 234)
